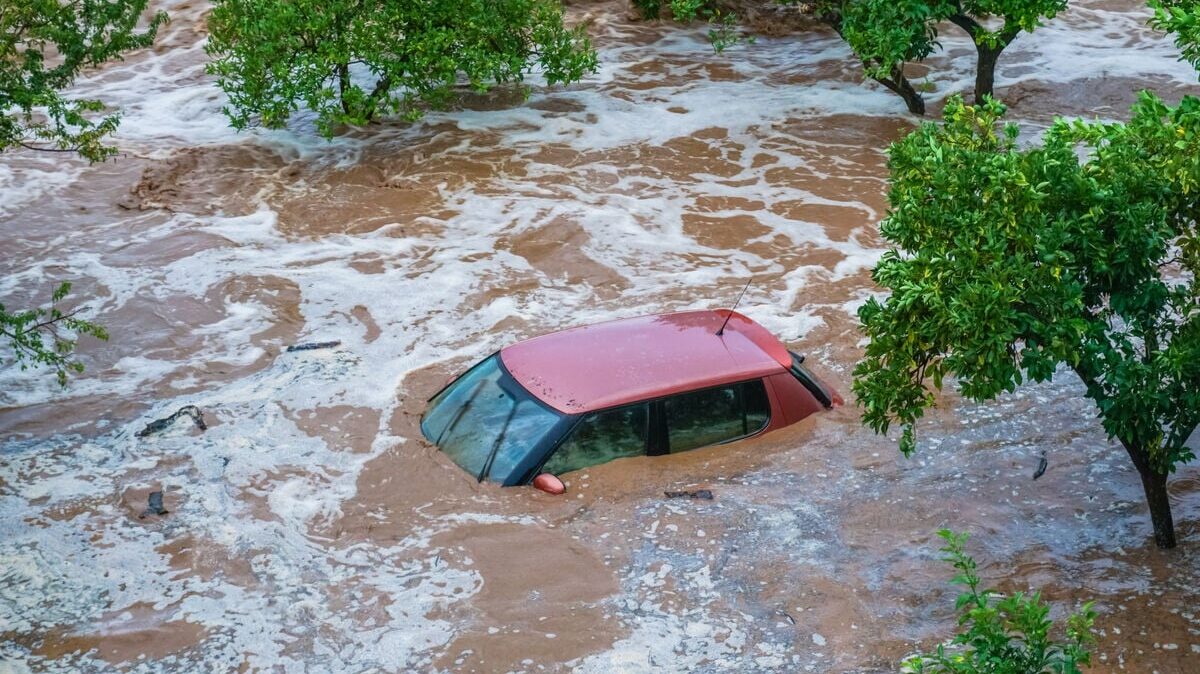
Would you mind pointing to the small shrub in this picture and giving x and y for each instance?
(1004, 634)
(648, 9)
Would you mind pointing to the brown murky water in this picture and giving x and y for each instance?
(310, 529)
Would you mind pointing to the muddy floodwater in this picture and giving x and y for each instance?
(310, 529)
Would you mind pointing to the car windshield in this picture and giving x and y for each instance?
(486, 422)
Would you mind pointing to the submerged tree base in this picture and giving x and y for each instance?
(352, 63)
(1157, 497)
(1011, 261)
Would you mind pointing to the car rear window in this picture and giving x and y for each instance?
(601, 437)
(487, 422)
(716, 415)
(810, 382)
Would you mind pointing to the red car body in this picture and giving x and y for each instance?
(656, 375)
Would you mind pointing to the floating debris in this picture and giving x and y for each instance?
(1041, 469)
(155, 505)
(160, 425)
(310, 346)
(705, 494)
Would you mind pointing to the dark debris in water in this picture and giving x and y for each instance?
(160, 425)
(312, 346)
(1041, 469)
(155, 506)
(705, 494)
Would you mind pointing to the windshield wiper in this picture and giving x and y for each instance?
(487, 465)
(461, 411)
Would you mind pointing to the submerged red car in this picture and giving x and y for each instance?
(648, 385)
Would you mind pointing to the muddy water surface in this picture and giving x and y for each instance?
(310, 529)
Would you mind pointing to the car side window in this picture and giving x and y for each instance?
(716, 415)
(601, 437)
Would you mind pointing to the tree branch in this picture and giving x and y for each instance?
(35, 148)
(1180, 432)
(977, 30)
(52, 321)
(968, 24)
(382, 87)
(1008, 34)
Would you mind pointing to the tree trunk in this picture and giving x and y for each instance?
(985, 72)
(1155, 485)
(896, 81)
(343, 73)
(380, 92)
(899, 84)
(985, 67)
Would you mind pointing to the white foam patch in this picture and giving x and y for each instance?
(1098, 42)
(667, 643)
(25, 182)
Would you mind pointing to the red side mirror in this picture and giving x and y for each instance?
(549, 484)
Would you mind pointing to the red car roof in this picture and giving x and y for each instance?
(632, 359)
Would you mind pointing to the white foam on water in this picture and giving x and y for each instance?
(655, 115)
(1092, 42)
(26, 182)
(167, 101)
(56, 576)
(665, 644)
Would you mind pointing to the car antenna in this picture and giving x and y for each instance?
(721, 330)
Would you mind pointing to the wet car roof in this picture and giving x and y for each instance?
(627, 360)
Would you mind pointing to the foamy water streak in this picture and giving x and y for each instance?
(659, 183)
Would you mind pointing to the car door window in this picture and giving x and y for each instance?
(716, 415)
(601, 437)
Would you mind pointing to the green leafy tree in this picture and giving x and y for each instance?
(1005, 634)
(352, 62)
(44, 45)
(887, 34)
(1181, 17)
(1010, 262)
(46, 336)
